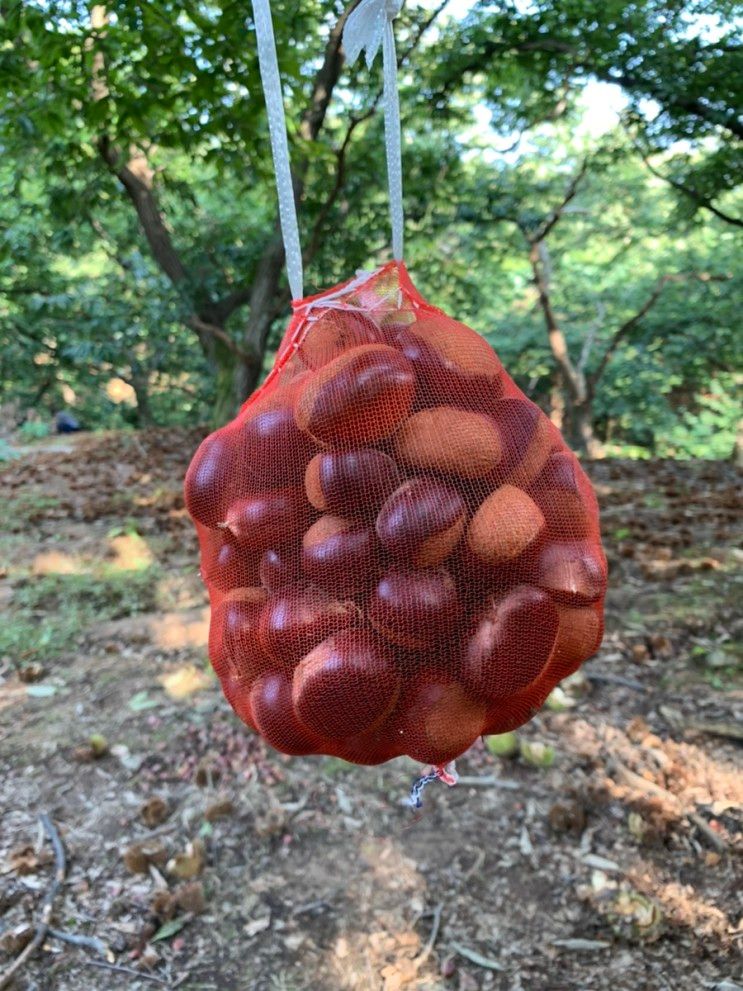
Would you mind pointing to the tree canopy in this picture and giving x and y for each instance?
(140, 240)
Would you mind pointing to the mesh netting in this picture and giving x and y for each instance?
(401, 552)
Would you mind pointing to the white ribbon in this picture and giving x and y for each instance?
(269, 66)
(367, 27)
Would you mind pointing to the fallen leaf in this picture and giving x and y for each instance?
(581, 945)
(14, 941)
(141, 701)
(186, 681)
(168, 929)
(257, 926)
(221, 809)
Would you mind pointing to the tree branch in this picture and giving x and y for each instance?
(699, 198)
(622, 332)
(570, 195)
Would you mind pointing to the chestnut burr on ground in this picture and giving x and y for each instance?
(401, 552)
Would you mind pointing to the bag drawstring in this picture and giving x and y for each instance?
(367, 27)
(269, 66)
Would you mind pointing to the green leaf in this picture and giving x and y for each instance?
(168, 929)
(41, 691)
(141, 701)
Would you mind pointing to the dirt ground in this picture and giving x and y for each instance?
(199, 859)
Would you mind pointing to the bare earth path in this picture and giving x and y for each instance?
(617, 867)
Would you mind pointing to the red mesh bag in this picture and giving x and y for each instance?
(401, 552)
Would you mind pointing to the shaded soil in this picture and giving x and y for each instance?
(618, 866)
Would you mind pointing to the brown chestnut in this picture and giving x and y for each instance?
(280, 568)
(451, 441)
(346, 685)
(295, 620)
(414, 609)
(528, 440)
(269, 519)
(439, 719)
(333, 333)
(339, 555)
(233, 636)
(453, 364)
(216, 474)
(224, 564)
(360, 397)
(511, 643)
(273, 712)
(564, 494)
(350, 483)
(422, 522)
(273, 450)
(574, 573)
(505, 525)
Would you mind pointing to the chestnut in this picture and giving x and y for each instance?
(339, 555)
(574, 573)
(224, 564)
(346, 685)
(280, 568)
(414, 609)
(451, 441)
(350, 483)
(360, 397)
(439, 719)
(453, 364)
(579, 636)
(295, 620)
(505, 525)
(269, 519)
(233, 636)
(273, 713)
(528, 440)
(564, 494)
(422, 521)
(333, 333)
(511, 643)
(216, 473)
(274, 450)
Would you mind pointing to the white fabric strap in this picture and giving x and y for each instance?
(269, 66)
(367, 27)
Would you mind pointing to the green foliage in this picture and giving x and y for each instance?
(84, 304)
(50, 613)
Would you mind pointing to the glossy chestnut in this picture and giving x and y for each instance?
(350, 483)
(414, 609)
(511, 643)
(360, 397)
(295, 620)
(269, 519)
(573, 573)
(339, 555)
(422, 522)
(346, 685)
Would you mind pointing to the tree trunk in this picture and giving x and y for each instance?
(582, 433)
(140, 384)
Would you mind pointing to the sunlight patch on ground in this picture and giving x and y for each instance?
(130, 552)
(186, 681)
(176, 630)
(57, 563)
